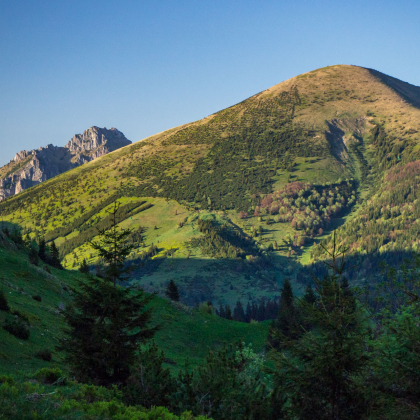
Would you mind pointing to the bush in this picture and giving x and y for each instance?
(37, 298)
(6, 379)
(45, 355)
(17, 328)
(205, 308)
(49, 375)
(4, 306)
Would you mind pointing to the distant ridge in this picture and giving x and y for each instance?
(29, 168)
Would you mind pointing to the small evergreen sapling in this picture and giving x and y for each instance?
(42, 250)
(84, 268)
(172, 291)
(55, 256)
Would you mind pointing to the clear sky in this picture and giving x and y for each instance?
(146, 66)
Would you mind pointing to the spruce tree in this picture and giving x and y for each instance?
(42, 250)
(55, 256)
(172, 291)
(238, 312)
(261, 311)
(248, 313)
(319, 376)
(84, 268)
(309, 296)
(107, 323)
(287, 327)
(228, 312)
(254, 311)
(33, 256)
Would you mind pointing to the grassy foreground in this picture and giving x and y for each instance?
(185, 333)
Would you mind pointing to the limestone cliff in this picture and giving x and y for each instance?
(29, 168)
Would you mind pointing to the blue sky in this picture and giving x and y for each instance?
(146, 66)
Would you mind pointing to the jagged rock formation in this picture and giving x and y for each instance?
(29, 168)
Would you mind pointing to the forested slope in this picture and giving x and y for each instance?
(280, 169)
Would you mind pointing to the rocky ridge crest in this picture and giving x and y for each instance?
(29, 168)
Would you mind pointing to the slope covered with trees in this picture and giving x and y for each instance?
(281, 169)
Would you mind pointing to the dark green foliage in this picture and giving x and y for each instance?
(81, 221)
(385, 227)
(89, 227)
(104, 313)
(107, 323)
(16, 236)
(37, 298)
(33, 256)
(238, 312)
(223, 241)
(60, 400)
(114, 248)
(397, 362)
(323, 369)
(310, 297)
(4, 306)
(228, 386)
(287, 327)
(84, 268)
(150, 383)
(50, 375)
(45, 355)
(55, 257)
(248, 143)
(42, 250)
(172, 291)
(17, 328)
(151, 252)
(309, 206)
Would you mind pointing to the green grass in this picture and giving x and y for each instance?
(185, 333)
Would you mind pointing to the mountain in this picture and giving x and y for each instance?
(231, 205)
(29, 168)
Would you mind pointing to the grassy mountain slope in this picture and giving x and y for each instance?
(185, 333)
(333, 133)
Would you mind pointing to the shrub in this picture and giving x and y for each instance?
(49, 375)
(4, 306)
(243, 214)
(37, 298)
(45, 355)
(17, 328)
(6, 379)
(205, 308)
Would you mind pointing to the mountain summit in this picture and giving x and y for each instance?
(29, 168)
(231, 205)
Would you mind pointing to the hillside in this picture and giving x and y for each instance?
(271, 177)
(36, 293)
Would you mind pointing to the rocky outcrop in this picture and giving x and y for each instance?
(29, 168)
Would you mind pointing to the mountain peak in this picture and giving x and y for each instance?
(31, 167)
